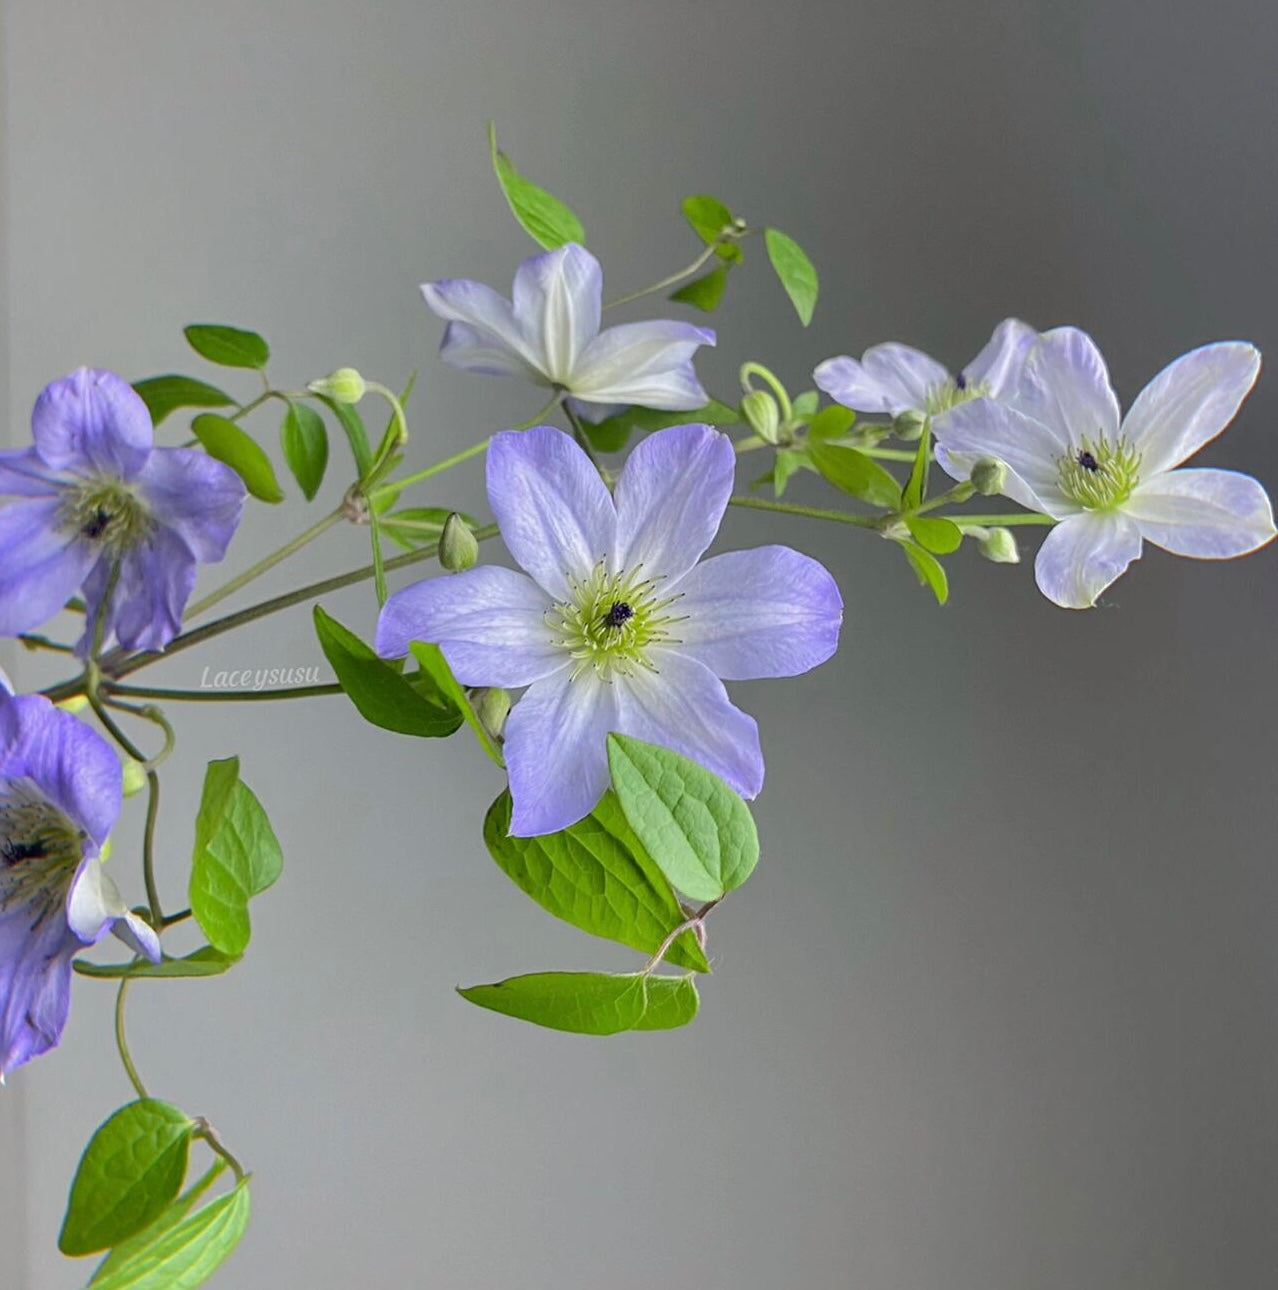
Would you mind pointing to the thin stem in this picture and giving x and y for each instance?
(206, 1133)
(265, 564)
(148, 850)
(100, 711)
(1002, 521)
(541, 415)
(253, 404)
(172, 920)
(122, 1042)
(579, 433)
(379, 561)
(222, 696)
(148, 712)
(671, 281)
(958, 494)
(397, 486)
(688, 924)
(810, 512)
(32, 641)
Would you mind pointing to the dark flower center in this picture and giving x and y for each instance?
(40, 850)
(107, 513)
(1087, 461)
(960, 382)
(618, 615)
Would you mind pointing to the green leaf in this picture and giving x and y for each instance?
(708, 216)
(356, 435)
(704, 292)
(383, 695)
(916, 488)
(857, 474)
(699, 833)
(595, 875)
(788, 461)
(805, 405)
(612, 434)
(165, 394)
(439, 676)
(414, 527)
(545, 218)
(928, 570)
(795, 271)
(130, 1171)
(934, 533)
(206, 961)
(591, 1003)
(304, 439)
(224, 440)
(228, 346)
(237, 856)
(184, 1255)
(831, 422)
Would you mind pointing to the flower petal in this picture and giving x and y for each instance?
(1083, 554)
(555, 513)
(92, 423)
(557, 301)
(489, 621)
(892, 378)
(556, 751)
(473, 350)
(24, 474)
(683, 705)
(146, 607)
(94, 906)
(1190, 402)
(671, 496)
(487, 325)
(1065, 385)
(198, 498)
(997, 368)
(1029, 449)
(766, 612)
(35, 985)
(648, 364)
(1207, 514)
(42, 567)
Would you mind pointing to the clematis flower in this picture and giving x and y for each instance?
(549, 333)
(614, 625)
(59, 797)
(94, 495)
(1114, 485)
(898, 379)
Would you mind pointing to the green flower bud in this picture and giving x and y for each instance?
(909, 425)
(762, 415)
(989, 476)
(458, 549)
(345, 385)
(999, 545)
(134, 777)
(492, 707)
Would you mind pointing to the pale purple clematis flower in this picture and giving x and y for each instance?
(92, 495)
(615, 626)
(1114, 484)
(549, 333)
(59, 797)
(897, 379)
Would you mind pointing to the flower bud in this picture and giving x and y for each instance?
(999, 545)
(492, 707)
(989, 476)
(761, 414)
(75, 705)
(134, 777)
(458, 549)
(909, 425)
(345, 385)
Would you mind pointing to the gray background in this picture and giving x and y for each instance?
(998, 1008)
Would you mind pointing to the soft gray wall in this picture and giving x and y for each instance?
(998, 1008)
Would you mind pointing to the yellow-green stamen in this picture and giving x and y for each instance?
(107, 513)
(40, 850)
(1099, 475)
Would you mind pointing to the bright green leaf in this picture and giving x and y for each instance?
(206, 961)
(383, 695)
(699, 833)
(708, 216)
(928, 570)
(591, 1003)
(165, 394)
(224, 440)
(237, 856)
(787, 462)
(613, 434)
(831, 422)
(228, 346)
(436, 673)
(704, 292)
(130, 1171)
(304, 440)
(805, 405)
(595, 875)
(935, 534)
(356, 435)
(545, 218)
(857, 474)
(795, 272)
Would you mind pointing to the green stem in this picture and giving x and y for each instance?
(263, 565)
(1002, 521)
(205, 1132)
(33, 642)
(958, 494)
(252, 405)
(100, 711)
(579, 433)
(397, 486)
(223, 696)
(810, 512)
(671, 281)
(122, 1042)
(148, 850)
(172, 920)
(148, 712)
(544, 412)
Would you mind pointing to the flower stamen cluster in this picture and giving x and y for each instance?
(953, 393)
(40, 850)
(1099, 475)
(108, 513)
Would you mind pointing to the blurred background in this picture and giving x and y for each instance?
(998, 1009)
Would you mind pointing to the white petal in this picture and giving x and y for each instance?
(643, 363)
(1083, 554)
(891, 378)
(1189, 402)
(557, 299)
(1065, 384)
(94, 903)
(488, 328)
(1207, 514)
(998, 367)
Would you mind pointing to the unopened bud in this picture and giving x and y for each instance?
(999, 545)
(909, 425)
(75, 705)
(458, 549)
(492, 707)
(134, 777)
(989, 476)
(345, 385)
(762, 415)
